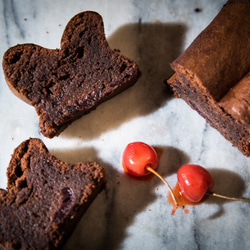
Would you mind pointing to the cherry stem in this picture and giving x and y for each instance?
(166, 183)
(227, 197)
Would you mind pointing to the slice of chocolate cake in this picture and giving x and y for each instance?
(45, 197)
(212, 75)
(64, 84)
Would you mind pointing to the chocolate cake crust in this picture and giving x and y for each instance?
(212, 75)
(219, 57)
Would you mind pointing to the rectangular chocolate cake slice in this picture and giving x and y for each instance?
(213, 74)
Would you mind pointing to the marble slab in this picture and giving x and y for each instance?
(133, 214)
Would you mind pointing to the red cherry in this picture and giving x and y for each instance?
(140, 159)
(137, 156)
(195, 181)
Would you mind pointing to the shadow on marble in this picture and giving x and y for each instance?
(75, 155)
(105, 224)
(153, 46)
(170, 160)
(232, 185)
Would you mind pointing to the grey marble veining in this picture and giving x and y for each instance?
(132, 214)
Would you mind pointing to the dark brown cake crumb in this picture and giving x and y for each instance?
(197, 10)
(45, 197)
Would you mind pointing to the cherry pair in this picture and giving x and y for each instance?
(140, 159)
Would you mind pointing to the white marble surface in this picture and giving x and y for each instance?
(132, 214)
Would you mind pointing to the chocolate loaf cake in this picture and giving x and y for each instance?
(45, 197)
(213, 74)
(64, 84)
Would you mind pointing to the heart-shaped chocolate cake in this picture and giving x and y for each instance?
(45, 197)
(64, 84)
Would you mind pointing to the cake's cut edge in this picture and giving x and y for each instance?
(45, 197)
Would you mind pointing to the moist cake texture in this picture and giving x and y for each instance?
(45, 197)
(64, 84)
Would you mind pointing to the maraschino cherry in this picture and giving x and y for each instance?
(139, 159)
(195, 182)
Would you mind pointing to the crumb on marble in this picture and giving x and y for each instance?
(198, 10)
(157, 21)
